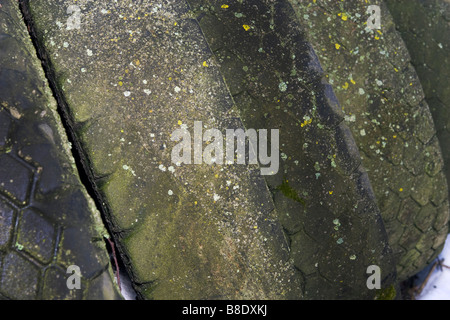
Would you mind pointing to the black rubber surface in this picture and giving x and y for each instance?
(47, 221)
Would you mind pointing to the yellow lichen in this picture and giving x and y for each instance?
(306, 122)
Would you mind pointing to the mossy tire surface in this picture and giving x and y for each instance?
(384, 104)
(321, 192)
(424, 26)
(361, 177)
(129, 76)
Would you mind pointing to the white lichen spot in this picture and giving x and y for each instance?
(351, 118)
(147, 91)
(83, 69)
(177, 89)
(171, 169)
(125, 167)
(66, 44)
(337, 224)
(362, 132)
(333, 163)
(170, 192)
(15, 113)
(127, 93)
(282, 86)
(361, 91)
(162, 167)
(89, 52)
(317, 166)
(353, 257)
(216, 197)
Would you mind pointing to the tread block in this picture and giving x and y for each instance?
(15, 178)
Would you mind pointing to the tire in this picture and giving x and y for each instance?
(129, 76)
(385, 107)
(277, 82)
(47, 220)
(424, 28)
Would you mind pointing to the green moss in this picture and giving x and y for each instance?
(388, 293)
(289, 192)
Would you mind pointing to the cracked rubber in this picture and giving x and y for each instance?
(385, 107)
(130, 76)
(47, 220)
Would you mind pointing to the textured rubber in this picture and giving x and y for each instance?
(384, 105)
(424, 26)
(185, 231)
(47, 220)
(321, 192)
(127, 76)
(199, 231)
